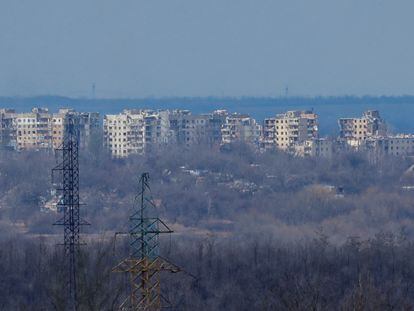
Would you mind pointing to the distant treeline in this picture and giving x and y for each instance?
(395, 109)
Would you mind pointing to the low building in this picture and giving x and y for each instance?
(396, 145)
(316, 147)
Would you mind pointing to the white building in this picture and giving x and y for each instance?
(288, 129)
(33, 129)
(135, 131)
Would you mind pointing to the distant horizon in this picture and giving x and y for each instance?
(166, 97)
(395, 109)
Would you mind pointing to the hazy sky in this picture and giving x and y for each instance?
(137, 48)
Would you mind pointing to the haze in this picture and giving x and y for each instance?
(136, 48)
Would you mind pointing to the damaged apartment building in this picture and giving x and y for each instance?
(7, 132)
(136, 131)
(296, 132)
(354, 132)
(240, 128)
(41, 129)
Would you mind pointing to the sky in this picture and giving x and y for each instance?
(164, 48)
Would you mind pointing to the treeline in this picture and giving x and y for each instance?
(222, 191)
(241, 273)
(254, 231)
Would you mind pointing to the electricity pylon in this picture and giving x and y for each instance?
(67, 187)
(144, 263)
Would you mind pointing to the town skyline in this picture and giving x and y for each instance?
(139, 131)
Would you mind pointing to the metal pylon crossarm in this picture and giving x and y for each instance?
(144, 263)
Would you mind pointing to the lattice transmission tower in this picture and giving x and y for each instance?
(65, 177)
(144, 263)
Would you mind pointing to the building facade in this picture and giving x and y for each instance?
(124, 133)
(34, 130)
(355, 131)
(240, 128)
(288, 129)
(188, 129)
(316, 147)
(135, 131)
(41, 129)
(7, 130)
(395, 145)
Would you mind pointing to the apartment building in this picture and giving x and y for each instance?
(41, 129)
(124, 133)
(178, 120)
(355, 131)
(157, 128)
(7, 132)
(195, 129)
(33, 129)
(135, 131)
(58, 127)
(240, 128)
(288, 129)
(217, 121)
(89, 125)
(191, 129)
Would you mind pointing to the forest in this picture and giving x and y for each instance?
(252, 231)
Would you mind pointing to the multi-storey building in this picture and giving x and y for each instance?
(7, 132)
(57, 127)
(288, 129)
(135, 131)
(33, 130)
(90, 127)
(196, 130)
(157, 131)
(89, 124)
(124, 133)
(191, 129)
(41, 129)
(178, 120)
(240, 128)
(217, 121)
(354, 131)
